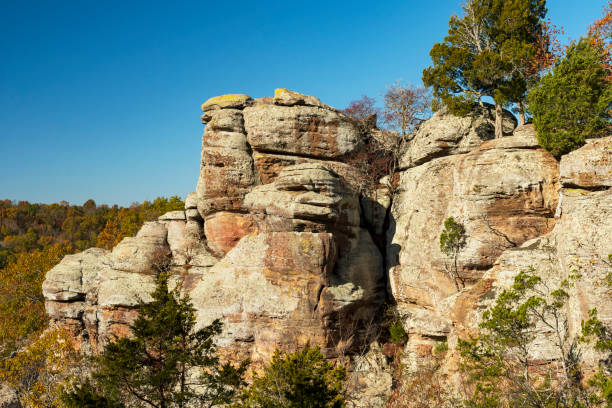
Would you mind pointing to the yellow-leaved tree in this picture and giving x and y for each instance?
(22, 307)
(39, 372)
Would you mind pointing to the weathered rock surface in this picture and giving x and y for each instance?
(589, 167)
(306, 192)
(578, 243)
(274, 246)
(504, 192)
(283, 96)
(300, 130)
(8, 397)
(137, 254)
(282, 244)
(370, 378)
(223, 230)
(445, 134)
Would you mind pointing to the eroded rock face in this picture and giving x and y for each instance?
(445, 134)
(525, 236)
(504, 192)
(272, 240)
(280, 242)
(579, 245)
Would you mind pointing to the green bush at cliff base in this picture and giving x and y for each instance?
(397, 333)
(303, 378)
(573, 101)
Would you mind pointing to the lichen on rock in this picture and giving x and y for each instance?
(280, 243)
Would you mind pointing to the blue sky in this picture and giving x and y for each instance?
(101, 99)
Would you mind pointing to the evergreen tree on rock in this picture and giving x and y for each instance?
(483, 53)
(165, 363)
(574, 100)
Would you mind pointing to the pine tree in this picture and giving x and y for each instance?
(573, 102)
(165, 363)
(303, 379)
(481, 54)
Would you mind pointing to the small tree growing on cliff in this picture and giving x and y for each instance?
(595, 331)
(376, 160)
(452, 241)
(501, 366)
(165, 363)
(362, 109)
(406, 106)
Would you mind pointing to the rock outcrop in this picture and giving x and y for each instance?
(280, 241)
(579, 245)
(272, 240)
(8, 397)
(522, 210)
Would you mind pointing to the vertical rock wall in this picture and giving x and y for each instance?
(271, 241)
(276, 240)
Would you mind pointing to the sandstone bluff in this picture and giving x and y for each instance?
(278, 241)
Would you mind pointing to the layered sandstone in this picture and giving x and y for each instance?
(282, 244)
(522, 210)
(272, 240)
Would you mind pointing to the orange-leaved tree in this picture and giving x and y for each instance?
(600, 33)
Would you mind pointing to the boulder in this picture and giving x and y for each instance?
(285, 97)
(589, 167)
(75, 276)
(309, 191)
(445, 134)
(191, 201)
(301, 130)
(229, 101)
(226, 120)
(8, 397)
(137, 254)
(173, 216)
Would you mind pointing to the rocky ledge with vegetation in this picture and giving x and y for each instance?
(459, 261)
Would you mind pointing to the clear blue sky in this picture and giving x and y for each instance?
(100, 99)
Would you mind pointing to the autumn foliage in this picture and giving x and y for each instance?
(41, 370)
(35, 237)
(22, 308)
(600, 33)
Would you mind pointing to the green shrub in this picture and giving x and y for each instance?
(295, 380)
(573, 101)
(440, 348)
(153, 364)
(397, 333)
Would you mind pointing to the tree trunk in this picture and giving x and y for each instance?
(521, 112)
(498, 120)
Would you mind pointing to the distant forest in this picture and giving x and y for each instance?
(35, 237)
(26, 227)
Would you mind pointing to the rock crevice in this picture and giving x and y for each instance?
(282, 244)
